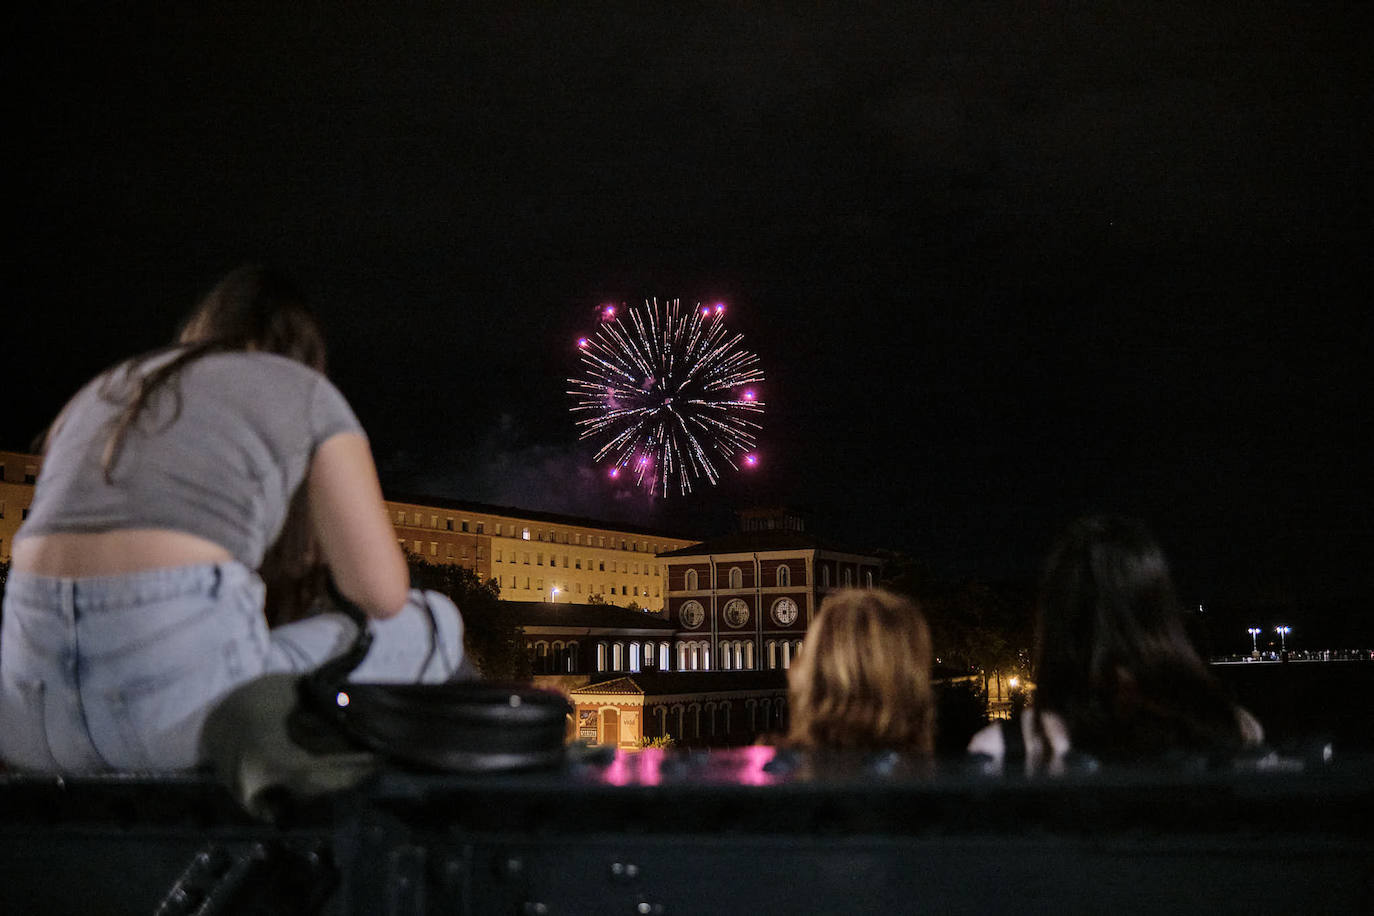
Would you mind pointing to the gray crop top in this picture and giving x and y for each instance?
(218, 452)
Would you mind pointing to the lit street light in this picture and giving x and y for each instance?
(1254, 637)
(1283, 637)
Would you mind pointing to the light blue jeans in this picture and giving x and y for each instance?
(119, 672)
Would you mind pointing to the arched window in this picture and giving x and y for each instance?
(825, 576)
(772, 655)
(787, 655)
(868, 578)
(601, 656)
(634, 656)
(682, 664)
(784, 575)
(796, 648)
(649, 655)
(571, 666)
(691, 580)
(706, 657)
(736, 577)
(847, 576)
(749, 655)
(618, 657)
(664, 660)
(726, 656)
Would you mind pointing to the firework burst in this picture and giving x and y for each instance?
(665, 391)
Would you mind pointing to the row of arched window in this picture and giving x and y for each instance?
(782, 577)
(735, 577)
(559, 657)
(712, 719)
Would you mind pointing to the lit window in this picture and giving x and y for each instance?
(434, 521)
(418, 548)
(525, 534)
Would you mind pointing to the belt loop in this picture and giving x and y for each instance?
(219, 578)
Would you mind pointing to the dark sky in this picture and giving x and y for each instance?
(1003, 262)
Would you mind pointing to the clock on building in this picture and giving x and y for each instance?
(736, 612)
(692, 614)
(785, 612)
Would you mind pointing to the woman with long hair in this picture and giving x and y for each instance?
(862, 681)
(171, 486)
(1116, 676)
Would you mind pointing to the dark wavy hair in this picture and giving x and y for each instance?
(1111, 652)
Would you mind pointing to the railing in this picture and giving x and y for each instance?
(737, 831)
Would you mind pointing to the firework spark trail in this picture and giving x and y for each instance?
(661, 393)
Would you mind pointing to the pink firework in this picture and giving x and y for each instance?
(665, 390)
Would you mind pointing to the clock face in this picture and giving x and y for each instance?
(785, 611)
(692, 615)
(736, 612)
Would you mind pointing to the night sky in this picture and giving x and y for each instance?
(1003, 263)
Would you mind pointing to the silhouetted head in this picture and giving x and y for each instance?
(862, 680)
(1112, 653)
(257, 308)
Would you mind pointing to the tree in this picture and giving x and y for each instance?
(598, 598)
(492, 639)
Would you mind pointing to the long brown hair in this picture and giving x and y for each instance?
(863, 678)
(1112, 655)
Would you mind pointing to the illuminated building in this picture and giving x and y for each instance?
(745, 600)
(18, 471)
(530, 554)
(722, 708)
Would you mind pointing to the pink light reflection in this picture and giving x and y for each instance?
(756, 756)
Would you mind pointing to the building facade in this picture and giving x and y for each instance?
(18, 472)
(538, 556)
(694, 709)
(744, 601)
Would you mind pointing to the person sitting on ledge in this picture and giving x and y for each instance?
(862, 681)
(1115, 675)
(171, 486)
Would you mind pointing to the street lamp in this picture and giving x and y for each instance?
(1254, 639)
(1283, 637)
(555, 594)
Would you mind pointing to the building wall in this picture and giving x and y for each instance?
(737, 599)
(18, 470)
(530, 558)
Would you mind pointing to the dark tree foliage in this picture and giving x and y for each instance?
(976, 627)
(493, 640)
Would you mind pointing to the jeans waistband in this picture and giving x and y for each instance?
(97, 593)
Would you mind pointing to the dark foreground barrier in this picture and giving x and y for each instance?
(737, 831)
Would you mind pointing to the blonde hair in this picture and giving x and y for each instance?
(863, 678)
